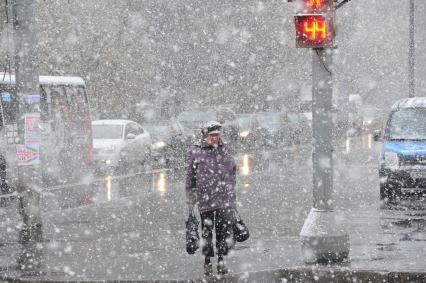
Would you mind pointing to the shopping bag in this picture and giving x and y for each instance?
(241, 231)
(192, 235)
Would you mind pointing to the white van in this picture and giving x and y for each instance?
(65, 148)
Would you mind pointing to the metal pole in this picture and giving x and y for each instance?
(321, 121)
(411, 54)
(323, 237)
(27, 91)
(25, 55)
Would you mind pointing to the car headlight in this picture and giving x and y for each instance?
(391, 160)
(159, 145)
(244, 134)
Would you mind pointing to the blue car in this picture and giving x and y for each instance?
(402, 163)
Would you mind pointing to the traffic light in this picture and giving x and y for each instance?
(314, 23)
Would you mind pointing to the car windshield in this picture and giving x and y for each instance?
(194, 119)
(271, 121)
(158, 129)
(107, 131)
(408, 124)
(293, 118)
(196, 116)
(296, 118)
(244, 122)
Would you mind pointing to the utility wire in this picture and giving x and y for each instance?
(341, 4)
(322, 61)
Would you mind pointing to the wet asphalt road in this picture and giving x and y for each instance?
(116, 224)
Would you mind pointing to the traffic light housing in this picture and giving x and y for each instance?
(314, 23)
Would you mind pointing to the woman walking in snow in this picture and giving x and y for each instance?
(210, 184)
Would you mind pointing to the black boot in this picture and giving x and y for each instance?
(221, 269)
(208, 267)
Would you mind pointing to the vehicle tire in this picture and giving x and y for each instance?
(389, 192)
(122, 165)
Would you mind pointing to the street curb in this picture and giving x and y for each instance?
(324, 275)
(299, 275)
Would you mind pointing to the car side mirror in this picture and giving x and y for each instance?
(130, 136)
(377, 135)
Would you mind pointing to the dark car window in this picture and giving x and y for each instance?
(132, 128)
(140, 129)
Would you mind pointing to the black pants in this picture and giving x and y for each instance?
(222, 220)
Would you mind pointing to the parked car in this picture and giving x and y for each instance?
(274, 129)
(270, 129)
(170, 142)
(193, 120)
(402, 162)
(370, 118)
(299, 128)
(120, 144)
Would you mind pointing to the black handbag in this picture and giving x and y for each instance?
(241, 232)
(192, 235)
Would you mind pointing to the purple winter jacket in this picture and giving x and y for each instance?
(211, 176)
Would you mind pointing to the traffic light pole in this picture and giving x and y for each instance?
(323, 237)
(27, 85)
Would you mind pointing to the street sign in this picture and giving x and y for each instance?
(28, 154)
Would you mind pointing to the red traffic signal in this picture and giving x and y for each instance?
(313, 31)
(314, 23)
(309, 6)
(315, 4)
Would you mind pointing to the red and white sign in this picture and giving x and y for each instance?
(28, 154)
